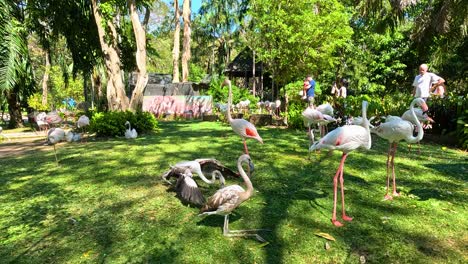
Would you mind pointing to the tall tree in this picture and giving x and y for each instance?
(217, 27)
(187, 39)
(176, 47)
(296, 38)
(116, 97)
(16, 76)
(139, 30)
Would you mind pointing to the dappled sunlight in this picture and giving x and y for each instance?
(106, 202)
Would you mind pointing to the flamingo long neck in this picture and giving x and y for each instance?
(229, 118)
(414, 139)
(246, 178)
(201, 175)
(220, 176)
(129, 126)
(365, 122)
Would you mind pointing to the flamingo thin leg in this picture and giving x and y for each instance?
(240, 233)
(393, 170)
(335, 191)
(55, 153)
(343, 208)
(390, 149)
(245, 148)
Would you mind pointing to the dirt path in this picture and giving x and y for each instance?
(20, 146)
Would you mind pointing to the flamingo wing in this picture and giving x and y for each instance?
(210, 165)
(187, 189)
(245, 129)
(394, 130)
(345, 138)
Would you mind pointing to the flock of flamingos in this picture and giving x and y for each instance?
(346, 138)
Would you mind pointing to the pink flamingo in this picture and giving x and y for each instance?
(395, 130)
(346, 139)
(242, 127)
(314, 116)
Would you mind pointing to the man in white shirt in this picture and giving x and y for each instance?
(423, 82)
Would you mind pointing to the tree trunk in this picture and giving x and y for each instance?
(97, 89)
(14, 109)
(142, 76)
(45, 78)
(253, 73)
(116, 97)
(187, 39)
(176, 49)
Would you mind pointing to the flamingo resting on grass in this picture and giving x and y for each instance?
(242, 127)
(130, 133)
(346, 139)
(395, 130)
(225, 200)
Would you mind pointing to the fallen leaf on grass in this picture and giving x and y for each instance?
(263, 244)
(325, 235)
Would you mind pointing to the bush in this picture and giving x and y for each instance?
(462, 130)
(221, 93)
(113, 123)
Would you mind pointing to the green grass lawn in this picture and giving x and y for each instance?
(106, 203)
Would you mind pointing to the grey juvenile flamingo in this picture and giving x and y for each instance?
(225, 200)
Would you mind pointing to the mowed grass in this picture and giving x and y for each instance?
(106, 203)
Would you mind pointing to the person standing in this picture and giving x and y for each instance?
(311, 90)
(305, 86)
(423, 82)
(343, 92)
(335, 90)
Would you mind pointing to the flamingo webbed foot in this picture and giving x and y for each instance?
(388, 197)
(336, 223)
(396, 194)
(347, 218)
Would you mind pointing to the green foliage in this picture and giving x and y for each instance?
(300, 37)
(35, 102)
(113, 123)
(221, 93)
(197, 73)
(462, 130)
(61, 89)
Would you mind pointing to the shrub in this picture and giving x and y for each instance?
(221, 93)
(113, 123)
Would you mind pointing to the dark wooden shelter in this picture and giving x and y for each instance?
(242, 66)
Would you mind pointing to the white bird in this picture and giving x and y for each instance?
(82, 123)
(346, 139)
(201, 167)
(326, 109)
(242, 127)
(421, 117)
(130, 133)
(312, 116)
(394, 131)
(225, 200)
(41, 121)
(54, 136)
(71, 136)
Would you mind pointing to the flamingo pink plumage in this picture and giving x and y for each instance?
(346, 139)
(242, 127)
(395, 130)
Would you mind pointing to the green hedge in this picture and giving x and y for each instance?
(112, 124)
